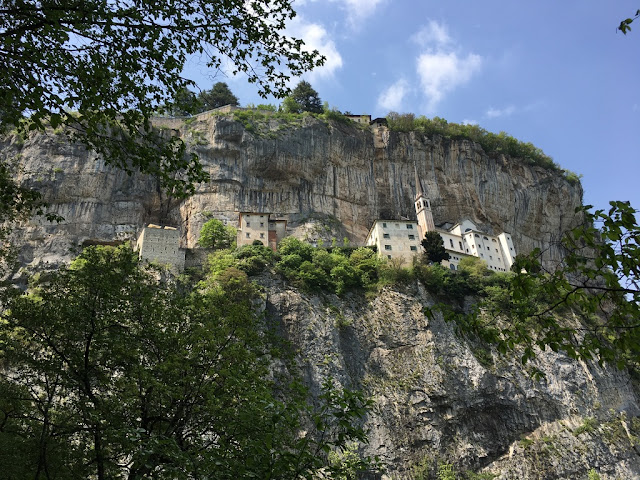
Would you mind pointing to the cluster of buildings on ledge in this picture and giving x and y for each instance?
(395, 240)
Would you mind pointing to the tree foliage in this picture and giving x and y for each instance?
(303, 98)
(215, 234)
(110, 373)
(625, 25)
(218, 96)
(588, 305)
(98, 70)
(434, 247)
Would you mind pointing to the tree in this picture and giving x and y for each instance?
(588, 305)
(625, 25)
(215, 234)
(303, 98)
(111, 373)
(434, 247)
(219, 96)
(99, 70)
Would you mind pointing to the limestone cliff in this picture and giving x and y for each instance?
(325, 177)
(442, 398)
(438, 397)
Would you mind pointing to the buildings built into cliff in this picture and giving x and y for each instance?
(161, 245)
(263, 227)
(401, 238)
(395, 239)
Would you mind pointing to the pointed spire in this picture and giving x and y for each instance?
(419, 187)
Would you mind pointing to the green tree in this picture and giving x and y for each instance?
(588, 305)
(111, 373)
(434, 247)
(215, 234)
(184, 103)
(303, 98)
(625, 25)
(99, 70)
(219, 96)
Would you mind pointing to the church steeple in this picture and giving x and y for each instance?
(423, 207)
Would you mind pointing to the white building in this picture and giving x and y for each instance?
(260, 226)
(402, 238)
(161, 245)
(395, 239)
(464, 239)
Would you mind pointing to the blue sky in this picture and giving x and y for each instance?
(553, 73)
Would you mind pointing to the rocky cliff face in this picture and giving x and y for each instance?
(438, 397)
(326, 178)
(441, 398)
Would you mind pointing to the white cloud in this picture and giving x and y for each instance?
(441, 66)
(359, 10)
(500, 112)
(466, 121)
(391, 98)
(441, 72)
(433, 33)
(316, 37)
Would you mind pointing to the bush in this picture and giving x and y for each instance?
(215, 234)
(491, 143)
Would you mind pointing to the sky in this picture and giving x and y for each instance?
(554, 73)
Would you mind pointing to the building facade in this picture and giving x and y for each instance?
(401, 239)
(395, 239)
(161, 245)
(260, 226)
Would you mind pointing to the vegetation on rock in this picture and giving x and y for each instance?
(491, 143)
(109, 372)
(215, 234)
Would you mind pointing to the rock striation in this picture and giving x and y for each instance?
(326, 177)
(439, 398)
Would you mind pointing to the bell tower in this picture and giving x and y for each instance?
(423, 208)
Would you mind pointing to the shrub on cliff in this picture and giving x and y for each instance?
(109, 372)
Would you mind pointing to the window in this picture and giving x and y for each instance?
(262, 224)
(412, 237)
(248, 224)
(482, 255)
(409, 226)
(488, 249)
(490, 257)
(248, 235)
(384, 225)
(485, 238)
(473, 246)
(397, 226)
(451, 242)
(493, 240)
(389, 257)
(414, 248)
(385, 235)
(452, 266)
(496, 250)
(477, 236)
(387, 247)
(262, 235)
(460, 245)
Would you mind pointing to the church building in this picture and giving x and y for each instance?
(401, 238)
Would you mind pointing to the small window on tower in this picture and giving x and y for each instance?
(451, 242)
(384, 225)
(412, 237)
(385, 235)
(387, 247)
(414, 248)
(409, 226)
